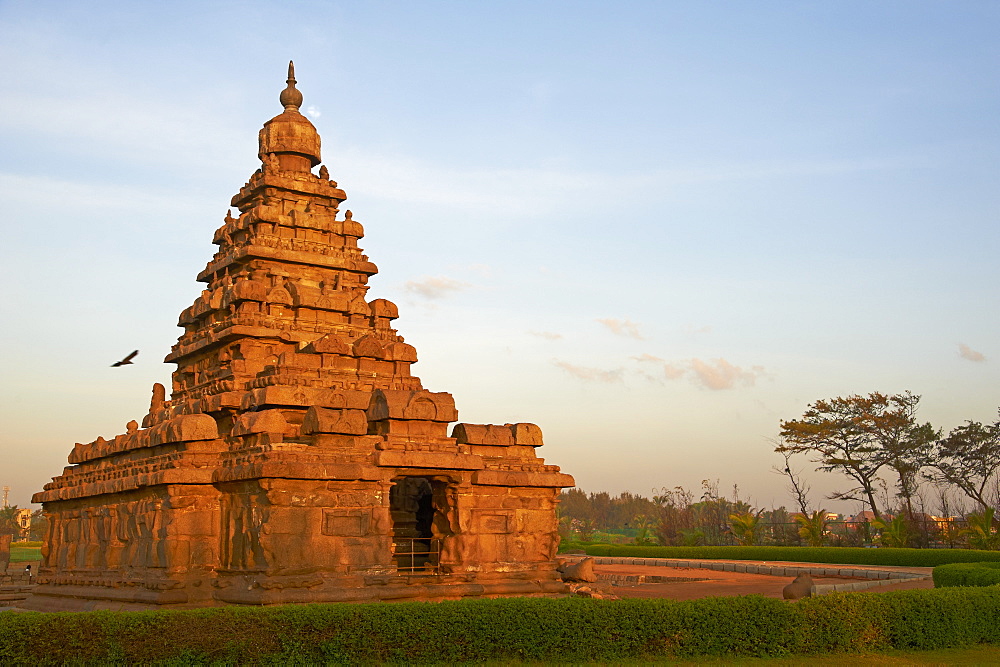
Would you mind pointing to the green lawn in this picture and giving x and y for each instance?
(978, 655)
(19, 553)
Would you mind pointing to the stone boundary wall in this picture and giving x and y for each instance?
(873, 576)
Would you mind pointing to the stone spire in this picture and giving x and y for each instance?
(289, 136)
(290, 97)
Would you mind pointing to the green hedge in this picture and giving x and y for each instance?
(507, 630)
(967, 574)
(841, 555)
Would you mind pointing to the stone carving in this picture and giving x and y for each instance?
(801, 587)
(296, 458)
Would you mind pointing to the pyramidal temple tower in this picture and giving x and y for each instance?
(296, 459)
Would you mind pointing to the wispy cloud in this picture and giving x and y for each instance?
(715, 374)
(434, 287)
(590, 374)
(967, 352)
(547, 335)
(622, 327)
(690, 329)
(718, 374)
(313, 111)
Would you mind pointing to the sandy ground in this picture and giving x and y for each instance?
(726, 583)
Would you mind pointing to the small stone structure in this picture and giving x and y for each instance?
(297, 459)
(801, 587)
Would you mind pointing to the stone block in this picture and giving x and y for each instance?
(526, 434)
(401, 352)
(416, 405)
(265, 421)
(516, 478)
(483, 434)
(329, 344)
(384, 308)
(404, 427)
(368, 346)
(327, 420)
(441, 460)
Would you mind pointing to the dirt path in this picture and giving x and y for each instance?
(716, 583)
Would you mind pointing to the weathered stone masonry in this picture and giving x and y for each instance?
(297, 459)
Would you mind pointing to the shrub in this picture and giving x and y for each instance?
(507, 630)
(842, 555)
(967, 574)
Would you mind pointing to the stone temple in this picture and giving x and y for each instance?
(296, 459)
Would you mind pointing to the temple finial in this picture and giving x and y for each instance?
(290, 97)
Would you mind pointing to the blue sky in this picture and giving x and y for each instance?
(655, 229)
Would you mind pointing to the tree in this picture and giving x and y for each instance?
(39, 526)
(893, 532)
(981, 532)
(858, 436)
(8, 521)
(745, 526)
(798, 487)
(968, 459)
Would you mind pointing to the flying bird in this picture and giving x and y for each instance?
(126, 360)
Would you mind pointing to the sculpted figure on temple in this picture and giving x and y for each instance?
(159, 395)
(324, 173)
(271, 164)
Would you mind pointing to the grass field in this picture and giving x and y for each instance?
(20, 553)
(977, 655)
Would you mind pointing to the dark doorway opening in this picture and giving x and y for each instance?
(416, 506)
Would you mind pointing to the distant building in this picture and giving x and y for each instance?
(23, 519)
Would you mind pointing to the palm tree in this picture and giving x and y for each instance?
(813, 527)
(745, 526)
(8, 521)
(895, 531)
(981, 532)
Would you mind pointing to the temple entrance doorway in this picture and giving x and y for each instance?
(417, 508)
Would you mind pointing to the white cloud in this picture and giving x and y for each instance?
(967, 352)
(716, 374)
(622, 327)
(434, 287)
(550, 188)
(313, 111)
(547, 335)
(672, 371)
(590, 374)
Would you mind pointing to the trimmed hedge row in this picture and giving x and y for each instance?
(840, 555)
(966, 574)
(508, 630)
